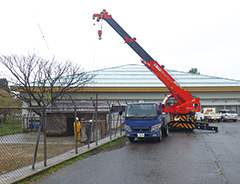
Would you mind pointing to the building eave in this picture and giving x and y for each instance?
(140, 89)
(152, 89)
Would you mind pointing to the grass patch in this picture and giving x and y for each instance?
(60, 166)
(9, 128)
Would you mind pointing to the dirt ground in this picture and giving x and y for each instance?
(18, 151)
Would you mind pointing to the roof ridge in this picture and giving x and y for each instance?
(112, 67)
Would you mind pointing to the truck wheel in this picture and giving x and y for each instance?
(159, 139)
(131, 139)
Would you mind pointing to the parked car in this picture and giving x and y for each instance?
(229, 115)
(208, 114)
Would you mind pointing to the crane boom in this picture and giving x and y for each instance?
(185, 102)
(127, 38)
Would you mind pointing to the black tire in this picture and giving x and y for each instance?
(131, 139)
(159, 139)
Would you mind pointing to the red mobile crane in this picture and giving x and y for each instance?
(180, 104)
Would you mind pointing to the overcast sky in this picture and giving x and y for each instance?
(180, 34)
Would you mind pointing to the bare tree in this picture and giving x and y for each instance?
(40, 81)
(194, 70)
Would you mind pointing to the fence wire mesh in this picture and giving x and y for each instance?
(22, 137)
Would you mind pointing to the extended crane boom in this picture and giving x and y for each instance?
(184, 102)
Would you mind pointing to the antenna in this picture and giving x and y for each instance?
(44, 37)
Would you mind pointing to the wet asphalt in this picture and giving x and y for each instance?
(199, 157)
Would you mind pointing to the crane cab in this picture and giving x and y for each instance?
(169, 104)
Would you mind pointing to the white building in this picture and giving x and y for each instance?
(135, 83)
(115, 87)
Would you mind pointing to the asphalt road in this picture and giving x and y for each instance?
(199, 157)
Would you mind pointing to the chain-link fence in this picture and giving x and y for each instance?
(27, 138)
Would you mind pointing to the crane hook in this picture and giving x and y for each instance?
(100, 34)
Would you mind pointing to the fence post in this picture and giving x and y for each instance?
(26, 123)
(34, 120)
(23, 122)
(95, 104)
(13, 122)
(31, 122)
(2, 126)
(75, 129)
(75, 124)
(116, 126)
(120, 113)
(121, 127)
(45, 136)
(96, 118)
(110, 120)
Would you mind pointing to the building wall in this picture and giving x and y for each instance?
(218, 99)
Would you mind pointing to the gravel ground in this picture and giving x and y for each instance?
(18, 150)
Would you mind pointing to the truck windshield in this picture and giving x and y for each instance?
(142, 110)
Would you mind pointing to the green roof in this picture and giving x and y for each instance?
(134, 75)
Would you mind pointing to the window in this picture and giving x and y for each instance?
(171, 101)
(142, 110)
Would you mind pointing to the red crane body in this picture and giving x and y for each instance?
(184, 102)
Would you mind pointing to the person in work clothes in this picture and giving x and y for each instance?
(77, 129)
(88, 130)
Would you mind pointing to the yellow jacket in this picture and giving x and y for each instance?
(78, 126)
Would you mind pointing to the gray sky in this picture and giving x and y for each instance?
(178, 34)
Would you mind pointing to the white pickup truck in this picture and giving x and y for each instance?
(208, 114)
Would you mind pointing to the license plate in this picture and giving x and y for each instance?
(141, 135)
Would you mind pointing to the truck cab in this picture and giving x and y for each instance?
(145, 120)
